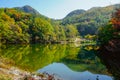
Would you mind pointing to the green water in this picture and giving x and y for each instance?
(73, 59)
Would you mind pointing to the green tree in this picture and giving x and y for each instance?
(71, 32)
(42, 30)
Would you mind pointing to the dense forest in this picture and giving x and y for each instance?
(88, 22)
(26, 25)
(109, 38)
(111, 30)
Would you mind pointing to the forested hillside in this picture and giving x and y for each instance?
(26, 25)
(87, 22)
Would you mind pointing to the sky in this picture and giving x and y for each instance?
(57, 9)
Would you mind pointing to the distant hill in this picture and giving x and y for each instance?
(75, 12)
(31, 10)
(28, 9)
(87, 22)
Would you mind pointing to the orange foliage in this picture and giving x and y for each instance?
(116, 20)
(17, 16)
(116, 23)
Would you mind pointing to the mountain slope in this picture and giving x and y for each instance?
(28, 9)
(75, 12)
(89, 21)
(26, 25)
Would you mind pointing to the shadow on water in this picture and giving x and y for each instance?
(74, 60)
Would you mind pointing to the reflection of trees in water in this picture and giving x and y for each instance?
(97, 78)
(112, 61)
(34, 57)
(85, 60)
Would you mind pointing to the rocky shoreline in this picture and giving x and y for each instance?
(17, 74)
(12, 73)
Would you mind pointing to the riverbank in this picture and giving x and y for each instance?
(8, 72)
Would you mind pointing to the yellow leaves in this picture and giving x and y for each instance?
(90, 36)
(7, 18)
(96, 48)
(11, 10)
(16, 28)
(91, 48)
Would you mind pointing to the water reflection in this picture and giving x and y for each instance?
(73, 59)
(63, 71)
(111, 60)
(33, 57)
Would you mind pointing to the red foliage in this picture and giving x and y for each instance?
(116, 20)
(116, 23)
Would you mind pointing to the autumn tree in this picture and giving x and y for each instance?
(111, 30)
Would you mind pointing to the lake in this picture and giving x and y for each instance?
(67, 61)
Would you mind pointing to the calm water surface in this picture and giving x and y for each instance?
(69, 62)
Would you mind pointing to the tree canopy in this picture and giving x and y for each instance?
(111, 30)
(17, 26)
